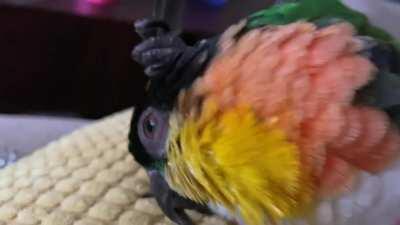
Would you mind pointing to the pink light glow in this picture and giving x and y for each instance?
(101, 2)
(92, 7)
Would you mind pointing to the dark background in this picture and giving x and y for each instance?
(72, 58)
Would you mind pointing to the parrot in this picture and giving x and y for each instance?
(289, 116)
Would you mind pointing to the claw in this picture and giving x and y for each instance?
(155, 70)
(166, 56)
(161, 49)
(157, 54)
(150, 28)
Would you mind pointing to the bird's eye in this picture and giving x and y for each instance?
(152, 130)
(150, 125)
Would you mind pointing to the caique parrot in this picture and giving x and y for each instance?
(290, 115)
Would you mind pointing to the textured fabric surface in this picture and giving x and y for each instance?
(85, 178)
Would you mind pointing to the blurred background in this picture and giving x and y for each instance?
(64, 63)
(72, 57)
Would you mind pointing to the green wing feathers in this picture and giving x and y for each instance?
(314, 10)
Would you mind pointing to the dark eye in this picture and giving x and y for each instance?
(150, 125)
(152, 129)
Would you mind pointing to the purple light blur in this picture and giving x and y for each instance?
(101, 2)
(216, 3)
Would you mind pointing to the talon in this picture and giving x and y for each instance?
(162, 55)
(158, 54)
(150, 27)
(154, 70)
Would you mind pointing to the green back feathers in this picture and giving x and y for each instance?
(316, 10)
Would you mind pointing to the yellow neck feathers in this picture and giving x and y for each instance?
(238, 161)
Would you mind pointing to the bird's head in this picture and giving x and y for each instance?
(171, 66)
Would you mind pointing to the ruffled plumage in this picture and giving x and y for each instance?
(306, 77)
(303, 80)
